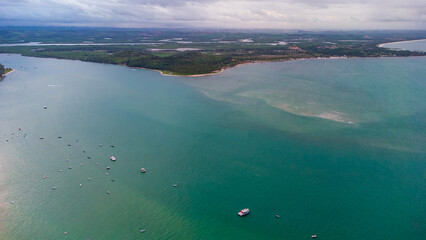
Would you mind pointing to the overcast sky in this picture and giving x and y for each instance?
(267, 14)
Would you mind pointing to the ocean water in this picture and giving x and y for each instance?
(335, 147)
(416, 45)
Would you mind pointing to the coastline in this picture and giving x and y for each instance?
(239, 64)
(417, 40)
(177, 75)
(4, 75)
(223, 69)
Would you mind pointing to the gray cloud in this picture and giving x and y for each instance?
(283, 14)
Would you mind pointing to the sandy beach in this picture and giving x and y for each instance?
(8, 72)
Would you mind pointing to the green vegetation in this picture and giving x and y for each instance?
(4, 70)
(189, 52)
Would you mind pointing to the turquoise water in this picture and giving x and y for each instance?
(335, 147)
(416, 45)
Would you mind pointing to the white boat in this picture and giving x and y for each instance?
(45, 107)
(143, 170)
(112, 158)
(244, 212)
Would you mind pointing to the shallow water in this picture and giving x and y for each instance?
(335, 147)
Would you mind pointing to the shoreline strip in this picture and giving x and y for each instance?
(4, 75)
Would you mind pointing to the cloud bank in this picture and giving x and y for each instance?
(267, 14)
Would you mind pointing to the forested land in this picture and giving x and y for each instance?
(189, 52)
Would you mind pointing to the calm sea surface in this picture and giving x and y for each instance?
(416, 45)
(336, 147)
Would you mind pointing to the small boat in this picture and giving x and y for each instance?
(69, 167)
(143, 170)
(81, 164)
(81, 185)
(108, 192)
(175, 185)
(143, 230)
(112, 145)
(100, 145)
(45, 107)
(244, 212)
(53, 188)
(112, 158)
(12, 202)
(41, 138)
(314, 236)
(277, 216)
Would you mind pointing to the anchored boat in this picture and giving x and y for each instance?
(244, 212)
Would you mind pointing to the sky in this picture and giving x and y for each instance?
(220, 14)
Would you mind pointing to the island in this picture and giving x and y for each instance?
(197, 52)
(4, 71)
